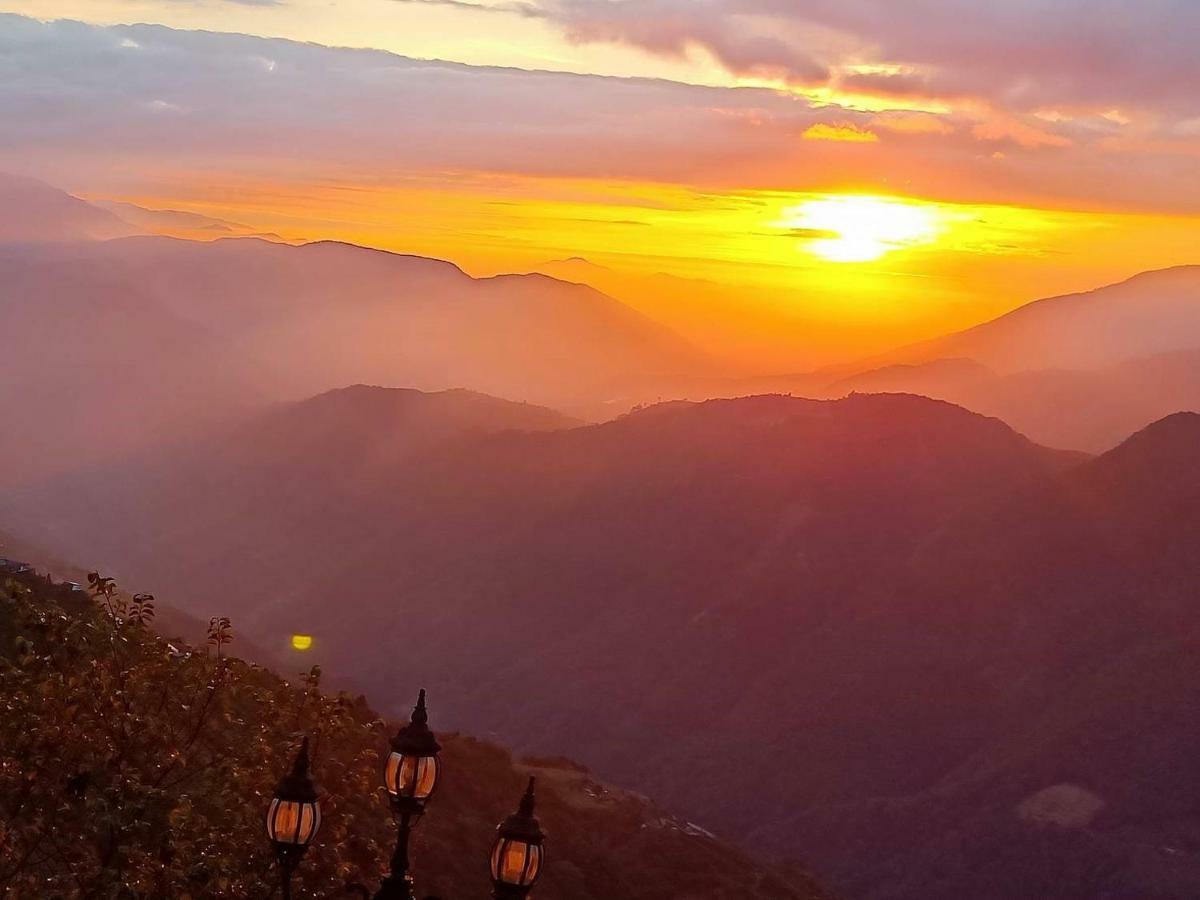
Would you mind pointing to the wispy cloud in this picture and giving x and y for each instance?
(1135, 56)
(519, 7)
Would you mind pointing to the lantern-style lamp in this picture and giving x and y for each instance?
(517, 855)
(410, 776)
(412, 769)
(293, 817)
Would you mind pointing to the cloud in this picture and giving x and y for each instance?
(1014, 56)
(912, 123)
(672, 27)
(520, 7)
(1008, 129)
(116, 108)
(848, 133)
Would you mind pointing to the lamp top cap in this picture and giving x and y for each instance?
(415, 738)
(528, 799)
(297, 786)
(523, 824)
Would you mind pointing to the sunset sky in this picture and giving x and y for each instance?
(822, 179)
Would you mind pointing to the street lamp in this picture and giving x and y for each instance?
(293, 818)
(410, 776)
(517, 853)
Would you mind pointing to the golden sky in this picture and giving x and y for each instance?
(786, 184)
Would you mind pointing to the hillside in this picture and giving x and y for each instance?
(1082, 615)
(904, 620)
(719, 579)
(109, 718)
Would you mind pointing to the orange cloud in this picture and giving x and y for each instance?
(912, 123)
(1007, 128)
(851, 133)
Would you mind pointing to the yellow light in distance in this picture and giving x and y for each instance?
(301, 641)
(852, 228)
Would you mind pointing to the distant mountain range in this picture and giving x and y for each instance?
(153, 338)
(883, 634)
(1149, 314)
(1090, 409)
(164, 333)
(1079, 372)
(876, 631)
(179, 223)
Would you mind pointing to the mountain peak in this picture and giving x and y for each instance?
(1175, 437)
(36, 212)
(1157, 462)
(1149, 313)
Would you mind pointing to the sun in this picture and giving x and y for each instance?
(852, 228)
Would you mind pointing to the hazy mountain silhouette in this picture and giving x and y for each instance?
(1079, 409)
(34, 211)
(168, 335)
(1151, 313)
(180, 223)
(1079, 372)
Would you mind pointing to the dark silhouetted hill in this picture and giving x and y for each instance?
(883, 634)
(173, 753)
(715, 594)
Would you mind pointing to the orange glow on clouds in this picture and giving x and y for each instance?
(852, 133)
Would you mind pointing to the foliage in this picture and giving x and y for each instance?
(133, 766)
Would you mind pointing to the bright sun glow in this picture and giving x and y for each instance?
(860, 229)
(302, 641)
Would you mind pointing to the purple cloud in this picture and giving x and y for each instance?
(1021, 55)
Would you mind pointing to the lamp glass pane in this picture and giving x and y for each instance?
(391, 772)
(310, 821)
(535, 864)
(497, 855)
(427, 772)
(290, 822)
(515, 862)
(411, 776)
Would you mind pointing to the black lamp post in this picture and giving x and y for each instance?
(293, 818)
(517, 853)
(410, 776)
